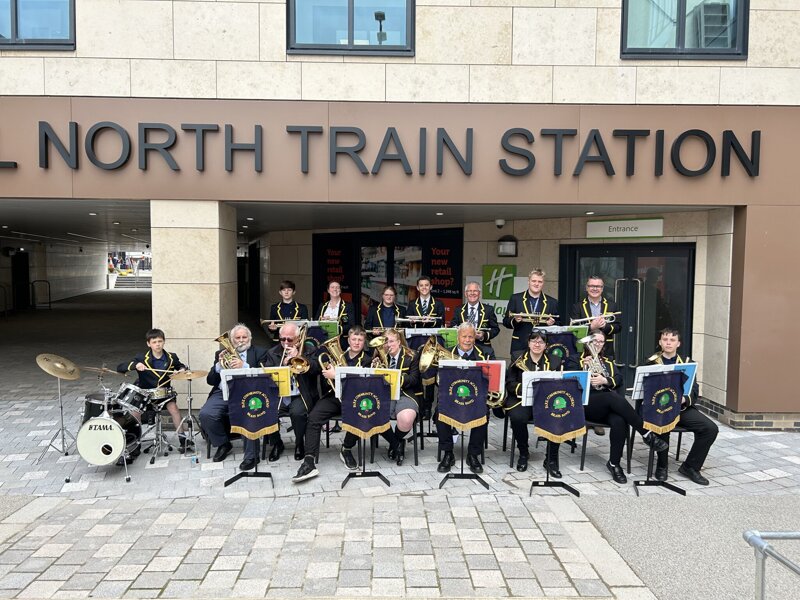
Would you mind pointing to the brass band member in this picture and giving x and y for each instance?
(214, 414)
(595, 304)
(304, 388)
(336, 309)
(466, 349)
(329, 405)
(405, 409)
(426, 305)
(479, 314)
(704, 429)
(533, 359)
(154, 368)
(532, 301)
(608, 405)
(287, 309)
(383, 315)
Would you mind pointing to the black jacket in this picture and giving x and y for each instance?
(346, 316)
(582, 310)
(521, 362)
(306, 382)
(523, 303)
(615, 379)
(374, 318)
(435, 309)
(410, 379)
(255, 357)
(149, 379)
(487, 320)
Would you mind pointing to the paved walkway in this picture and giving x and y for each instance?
(175, 531)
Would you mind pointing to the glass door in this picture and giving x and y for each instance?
(652, 284)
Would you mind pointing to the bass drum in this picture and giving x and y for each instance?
(100, 443)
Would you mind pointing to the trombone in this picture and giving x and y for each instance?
(299, 364)
(609, 317)
(532, 318)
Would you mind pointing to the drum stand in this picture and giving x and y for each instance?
(62, 432)
(192, 425)
(159, 441)
(463, 475)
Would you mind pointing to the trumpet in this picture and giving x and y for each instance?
(609, 317)
(332, 356)
(381, 359)
(413, 319)
(298, 364)
(532, 318)
(229, 351)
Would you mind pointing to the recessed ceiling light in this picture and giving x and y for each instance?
(397, 224)
(116, 222)
(439, 214)
(250, 219)
(5, 226)
(92, 214)
(241, 233)
(589, 212)
(244, 226)
(134, 230)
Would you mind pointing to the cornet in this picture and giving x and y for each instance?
(532, 318)
(609, 317)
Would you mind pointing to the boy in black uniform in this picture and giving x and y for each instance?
(154, 369)
(287, 309)
(426, 305)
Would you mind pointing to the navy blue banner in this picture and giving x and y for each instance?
(661, 403)
(366, 405)
(253, 406)
(558, 409)
(561, 345)
(462, 397)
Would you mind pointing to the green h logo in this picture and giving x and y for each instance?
(498, 281)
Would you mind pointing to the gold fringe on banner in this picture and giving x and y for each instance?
(365, 435)
(459, 425)
(254, 435)
(665, 429)
(559, 439)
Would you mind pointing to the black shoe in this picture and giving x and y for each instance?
(347, 458)
(307, 470)
(599, 430)
(401, 452)
(656, 443)
(222, 452)
(391, 453)
(661, 473)
(617, 473)
(692, 474)
(275, 453)
(426, 414)
(551, 466)
(183, 443)
(522, 463)
(448, 460)
(474, 463)
(299, 452)
(248, 464)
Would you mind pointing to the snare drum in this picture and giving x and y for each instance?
(161, 395)
(132, 397)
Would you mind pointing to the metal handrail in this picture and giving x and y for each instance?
(757, 539)
(33, 293)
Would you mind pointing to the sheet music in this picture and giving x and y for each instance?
(281, 378)
(531, 377)
(690, 369)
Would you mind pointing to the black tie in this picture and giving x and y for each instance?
(424, 306)
(393, 363)
(472, 315)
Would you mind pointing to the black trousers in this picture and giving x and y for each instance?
(477, 438)
(519, 417)
(611, 408)
(299, 417)
(705, 432)
(325, 408)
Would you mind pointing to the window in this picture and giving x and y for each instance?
(351, 26)
(702, 29)
(37, 24)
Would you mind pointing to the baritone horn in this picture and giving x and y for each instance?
(431, 353)
(381, 359)
(330, 356)
(228, 352)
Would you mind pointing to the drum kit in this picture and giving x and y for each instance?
(111, 426)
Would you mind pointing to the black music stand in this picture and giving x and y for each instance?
(554, 484)
(254, 473)
(463, 475)
(649, 482)
(362, 451)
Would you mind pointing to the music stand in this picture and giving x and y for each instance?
(461, 474)
(361, 452)
(641, 374)
(528, 378)
(254, 473)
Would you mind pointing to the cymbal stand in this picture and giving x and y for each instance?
(62, 432)
(192, 425)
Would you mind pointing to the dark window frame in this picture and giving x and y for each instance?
(681, 52)
(17, 43)
(292, 47)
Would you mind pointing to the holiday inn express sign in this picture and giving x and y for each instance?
(372, 152)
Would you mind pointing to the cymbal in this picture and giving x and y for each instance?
(186, 375)
(58, 366)
(102, 371)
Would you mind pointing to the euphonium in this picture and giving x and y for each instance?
(381, 360)
(431, 353)
(228, 351)
(594, 364)
(331, 356)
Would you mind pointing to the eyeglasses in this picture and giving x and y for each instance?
(286, 339)
(596, 287)
(538, 341)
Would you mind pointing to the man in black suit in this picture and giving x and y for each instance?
(595, 305)
(479, 314)
(464, 350)
(532, 307)
(214, 414)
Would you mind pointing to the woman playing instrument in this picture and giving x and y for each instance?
(406, 408)
(607, 404)
(336, 309)
(384, 315)
(532, 359)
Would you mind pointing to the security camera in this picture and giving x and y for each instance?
(80, 249)
(147, 246)
(499, 223)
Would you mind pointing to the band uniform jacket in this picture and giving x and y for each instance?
(346, 316)
(410, 379)
(149, 378)
(523, 303)
(374, 318)
(435, 309)
(362, 359)
(583, 309)
(255, 357)
(485, 316)
(689, 400)
(283, 311)
(307, 382)
(521, 362)
(615, 378)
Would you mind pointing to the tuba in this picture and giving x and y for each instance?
(331, 355)
(431, 353)
(594, 364)
(228, 350)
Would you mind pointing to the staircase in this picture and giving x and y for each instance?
(129, 283)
